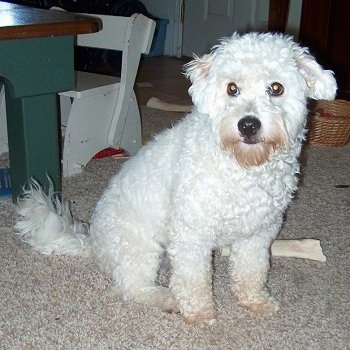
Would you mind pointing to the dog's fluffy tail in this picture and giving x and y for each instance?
(47, 224)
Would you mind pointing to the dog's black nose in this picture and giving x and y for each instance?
(249, 126)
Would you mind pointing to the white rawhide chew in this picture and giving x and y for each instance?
(293, 248)
(156, 103)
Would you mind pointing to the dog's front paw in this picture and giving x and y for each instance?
(202, 319)
(265, 306)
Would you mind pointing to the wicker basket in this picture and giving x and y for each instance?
(333, 130)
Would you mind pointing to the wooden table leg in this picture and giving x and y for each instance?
(34, 70)
(33, 141)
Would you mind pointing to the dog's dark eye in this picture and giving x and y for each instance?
(232, 89)
(275, 89)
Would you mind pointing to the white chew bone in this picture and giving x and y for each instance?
(156, 103)
(293, 248)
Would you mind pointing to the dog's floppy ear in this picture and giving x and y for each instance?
(198, 68)
(321, 84)
(198, 72)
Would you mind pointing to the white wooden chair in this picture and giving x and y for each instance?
(102, 111)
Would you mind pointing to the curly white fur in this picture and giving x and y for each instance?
(222, 176)
(47, 224)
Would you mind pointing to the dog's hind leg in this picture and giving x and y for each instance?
(136, 272)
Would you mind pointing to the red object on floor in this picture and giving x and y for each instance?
(109, 152)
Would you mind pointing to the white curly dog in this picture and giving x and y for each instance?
(224, 175)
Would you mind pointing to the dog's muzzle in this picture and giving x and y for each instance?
(249, 127)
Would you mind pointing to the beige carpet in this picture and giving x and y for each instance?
(67, 303)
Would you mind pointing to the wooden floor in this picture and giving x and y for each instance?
(162, 77)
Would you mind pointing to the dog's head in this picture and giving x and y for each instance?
(254, 88)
